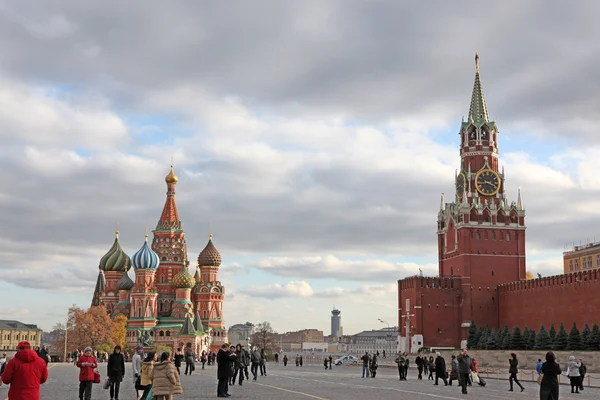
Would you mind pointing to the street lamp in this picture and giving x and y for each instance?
(388, 335)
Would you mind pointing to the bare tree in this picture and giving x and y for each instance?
(263, 336)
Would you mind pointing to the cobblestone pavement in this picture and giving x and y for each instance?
(308, 382)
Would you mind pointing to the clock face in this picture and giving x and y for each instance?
(461, 182)
(487, 182)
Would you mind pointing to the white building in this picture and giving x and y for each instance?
(373, 341)
(240, 333)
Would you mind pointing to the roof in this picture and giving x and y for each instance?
(377, 333)
(9, 324)
(478, 112)
(188, 328)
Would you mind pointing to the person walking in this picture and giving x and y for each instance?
(406, 364)
(189, 360)
(538, 366)
(177, 359)
(240, 363)
(87, 363)
(146, 374)
(373, 366)
(165, 379)
(365, 368)
(203, 359)
(464, 368)
(285, 360)
(419, 361)
(277, 358)
(440, 369)
(582, 372)
(115, 372)
(453, 370)
(513, 370)
(75, 356)
(255, 360)
(136, 368)
(223, 368)
(431, 366)
(400, 361)
(25, 373)
(263, 363)
(330, 361)
(550, 371)
(573, 374)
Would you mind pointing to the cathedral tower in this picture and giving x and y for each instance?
(481, 236)
(113, 265)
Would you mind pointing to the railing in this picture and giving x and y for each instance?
(496, 373)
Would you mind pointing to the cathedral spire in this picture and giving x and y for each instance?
(478, 112)
(519, 201)
(169, 219)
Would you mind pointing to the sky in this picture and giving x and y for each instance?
(313, 139)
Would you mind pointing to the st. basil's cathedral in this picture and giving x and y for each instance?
(165, 302)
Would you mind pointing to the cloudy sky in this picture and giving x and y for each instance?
(312, 138)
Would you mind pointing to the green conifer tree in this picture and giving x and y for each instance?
(492, 342)
(574, 342)
(594, 341)
(552, 334)
(525, 335)
(531, 340)
(562, 338)
(516, 342)
(506, 341)
(585, 337)
(471, 339)
(542, 340)
(482, 345)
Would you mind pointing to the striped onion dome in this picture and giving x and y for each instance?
(145, 258)
(125, 283)
(210, 256)
(183, 279)
(116, 259)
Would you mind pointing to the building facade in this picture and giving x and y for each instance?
(12, 332)
(165, 302)
(373, 341)
(582, 258)
(481, 251)
(240, 333)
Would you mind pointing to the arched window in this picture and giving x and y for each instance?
(493, 235)
(477, 235)
(168, 333)
(161, 333)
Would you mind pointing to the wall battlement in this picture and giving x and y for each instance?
(552, 281)
(427, 282)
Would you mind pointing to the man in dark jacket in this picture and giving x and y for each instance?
(582, 372)
(25, 373)
(440, 369)
(189, 360)
(239, 365)
(115, 371)
(420, 362)
(224, 358)
(465, 365)
(246, 362)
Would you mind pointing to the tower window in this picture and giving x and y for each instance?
(508, 236)
(492, 273)
(493, 235)
(477, 235)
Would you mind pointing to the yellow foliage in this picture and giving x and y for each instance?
(528, 276)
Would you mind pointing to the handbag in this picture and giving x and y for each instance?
(96, 376)
(106, 383)
(539, 379)
(138, 383)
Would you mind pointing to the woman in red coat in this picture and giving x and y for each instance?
(87, 364)
(25, 373)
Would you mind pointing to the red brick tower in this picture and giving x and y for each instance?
(481, 237)
(169, 244)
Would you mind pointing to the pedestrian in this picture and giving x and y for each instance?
(232, 362)
(297, 360)
(538, 366)
(573, 374)
(406, 364)
(2, 366)
(325, 363)
(145, 382)
(384, 354)
(189, 360)
(440, 369)
(277, 358)
(365, 368)
(582, 372)
(165, 379)
(87, 363)
(419, 362)
(514, 370)
(255, 361)
(285, 360)
(465, 365)
(431, 366)
(241, 363)
(330, 361)
(44, 354)
(223, 370)
(177, 359)
(301, 360)
(549, 387)
(115, 372)
(263, 363)
(136, 368)
(75, 356)
(400, 361)
(374, 366)
(453, 370)
(25, 372)
(203, 359)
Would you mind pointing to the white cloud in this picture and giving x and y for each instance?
(290, 289)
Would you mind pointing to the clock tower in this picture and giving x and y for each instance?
(481, 235)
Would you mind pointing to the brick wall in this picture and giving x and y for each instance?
(528, 359)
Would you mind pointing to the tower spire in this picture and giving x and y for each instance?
(442, 203)
(169, 219)
(519, 201)
(478, 112)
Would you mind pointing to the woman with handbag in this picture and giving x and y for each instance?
(115, 372)
(87, 364)
(145, 382)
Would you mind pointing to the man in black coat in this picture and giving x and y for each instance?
(420, 362)
(440, 369)
(224, 359)
(115, 371)
(465, 365)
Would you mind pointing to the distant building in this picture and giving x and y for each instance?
(315, 347)
(12, 332)
(373, 341)
(292, 341)
(582, 258)
(240, 333)
(336, 323)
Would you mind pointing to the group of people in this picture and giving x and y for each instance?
(233, 362)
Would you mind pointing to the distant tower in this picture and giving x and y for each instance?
(336, 321)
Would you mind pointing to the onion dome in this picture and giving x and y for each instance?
(171, 178)
(183, 279)
(116, 259)
(145, 258)
(125, 283)
(210, 256)
(197, 276)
